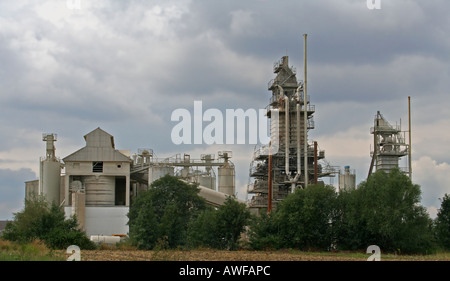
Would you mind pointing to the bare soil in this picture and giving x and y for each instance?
(215, 255)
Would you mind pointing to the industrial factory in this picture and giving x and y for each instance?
(290, 162)
(98, 182)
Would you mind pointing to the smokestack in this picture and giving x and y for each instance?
(409, 156)
(305, 114)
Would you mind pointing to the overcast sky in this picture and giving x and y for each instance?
(125, 66)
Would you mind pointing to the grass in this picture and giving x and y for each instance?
(37, 251)
(439, 256)
(34, 251)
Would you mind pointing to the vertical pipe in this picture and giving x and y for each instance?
(305, 115)
(269, 179)
(287, 137)
(299, 164)
(409, 156)
(286, 129)
(315, 163)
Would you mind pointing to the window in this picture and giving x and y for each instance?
(120, 191)
(97, 167)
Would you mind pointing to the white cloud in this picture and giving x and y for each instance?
(432, 176)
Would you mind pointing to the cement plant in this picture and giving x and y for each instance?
(99, 182)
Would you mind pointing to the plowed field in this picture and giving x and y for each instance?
(212, 255)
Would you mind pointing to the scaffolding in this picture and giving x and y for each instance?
(389, 145)
(290, 161)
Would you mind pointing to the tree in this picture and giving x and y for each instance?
(385, 211)
(232, 217)
(203, 231)
(221, 228)
(46, 222)
(263, 232)
(163, 212)
(442, 223)
(143, 225)
(303, 220)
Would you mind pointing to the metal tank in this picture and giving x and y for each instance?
(347, 180)
(50, 180)
(157, 172)
(226, 178)
(105, 239)
(50, 171)
(208, 182)
(100, 190)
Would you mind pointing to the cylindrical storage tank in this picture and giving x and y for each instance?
(208, 182)
(278, 131)
(100, 190)
(226, 180)
(275, 129)
(79, 208)
(156, 172)
(50, 180)
(347, 180)
(105, 239)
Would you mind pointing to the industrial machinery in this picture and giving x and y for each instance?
(146, 168)
(289, 161)
(347, 179)
(389, 145)
(99, 182)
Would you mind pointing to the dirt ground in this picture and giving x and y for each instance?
(213, 255)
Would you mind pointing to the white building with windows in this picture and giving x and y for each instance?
(98, 182)
(98, 177)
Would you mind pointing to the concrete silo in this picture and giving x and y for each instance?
(226, 174)
(347, 180)
(50, 172)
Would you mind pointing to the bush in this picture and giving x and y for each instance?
(385, 211)
(221, 228)
(263, 233)
(163, 213)
(442, 223)
(45, 222)
(304, 220)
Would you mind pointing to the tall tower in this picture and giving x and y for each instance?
(50, 171)
(279, 169)
(389, 145)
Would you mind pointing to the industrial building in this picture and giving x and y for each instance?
(389, 145)
(289, 161)
(347, 179)
(98, 183)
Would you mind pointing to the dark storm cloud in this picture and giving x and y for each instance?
(126, 65)
(12, 191)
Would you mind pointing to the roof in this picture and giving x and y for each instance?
(99, 147)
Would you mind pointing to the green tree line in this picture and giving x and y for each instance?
(383, 211)
(171, 214)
